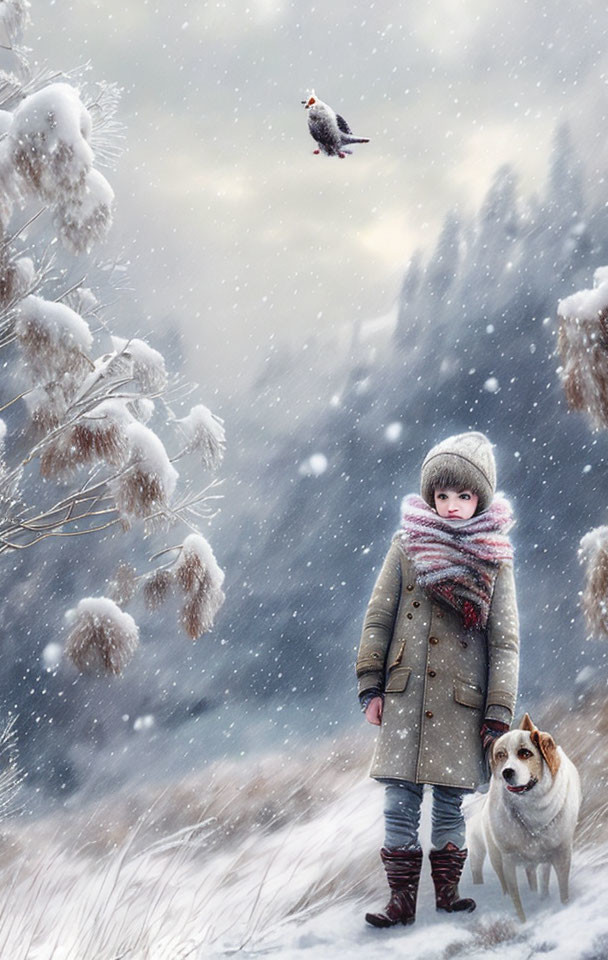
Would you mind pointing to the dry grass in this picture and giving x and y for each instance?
(486, 935)
(582, 731)
(241, 797)
(153, 874)
(235, 856)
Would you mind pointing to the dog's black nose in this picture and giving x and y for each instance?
(508, 773)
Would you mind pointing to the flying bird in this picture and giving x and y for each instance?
(328, 129)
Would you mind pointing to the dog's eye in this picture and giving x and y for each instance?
(524, 754)
(500, 755)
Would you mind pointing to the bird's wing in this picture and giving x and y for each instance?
(344, 127)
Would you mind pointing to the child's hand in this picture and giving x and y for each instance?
(373, 713)
(491, 730)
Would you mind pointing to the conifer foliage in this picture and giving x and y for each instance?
(83, 411)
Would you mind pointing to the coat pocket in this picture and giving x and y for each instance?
(468, 693)
(397, 679)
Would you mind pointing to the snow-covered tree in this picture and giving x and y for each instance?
(445, 260)
(80, 449)
(410, 288)
(494, 245)
(593, 551)
(583, 349)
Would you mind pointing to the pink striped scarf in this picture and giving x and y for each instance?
(457, 561)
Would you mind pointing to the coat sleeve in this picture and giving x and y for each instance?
(379, 622)
(503, 648)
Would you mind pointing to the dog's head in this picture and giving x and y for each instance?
(519, 758)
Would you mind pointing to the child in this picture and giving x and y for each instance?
(438, 664)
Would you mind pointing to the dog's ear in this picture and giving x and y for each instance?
(526, 723)
(491, 758)
(548, 748)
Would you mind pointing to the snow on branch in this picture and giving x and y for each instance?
(16, 278)
(583, 348)
(53, 337)
(100, 434)
(197, 573)
(593, 551)
(149, 483)
(48, 142)
(48, 146)
(148, 364)
(103, 638)
(205, 435)
(87, 220)
(46, 405)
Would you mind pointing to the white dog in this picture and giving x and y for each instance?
(529, 814)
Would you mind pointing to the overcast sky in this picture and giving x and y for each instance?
(233, 228)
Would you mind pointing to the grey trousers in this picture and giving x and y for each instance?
(402, 801)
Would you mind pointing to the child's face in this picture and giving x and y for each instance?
(455, 504)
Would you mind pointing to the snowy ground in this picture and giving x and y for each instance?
(273, 858)
(552, 930)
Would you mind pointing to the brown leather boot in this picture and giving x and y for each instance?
(403, 873)
(446, 868)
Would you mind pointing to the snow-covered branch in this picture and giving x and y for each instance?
(94, 403)
(593, 552)
(102, 636)
(583, 349)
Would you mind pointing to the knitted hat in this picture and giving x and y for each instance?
(466, 456)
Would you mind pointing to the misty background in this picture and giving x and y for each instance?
(341, 316)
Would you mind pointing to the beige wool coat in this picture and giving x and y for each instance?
(440, 681)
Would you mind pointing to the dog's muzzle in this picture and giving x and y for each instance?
(524, 788)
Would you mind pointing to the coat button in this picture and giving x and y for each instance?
(429, 714)
(433, 640)
(463, 643)
(409, 616)
(432, 673)
(415, 603)
(410, 586)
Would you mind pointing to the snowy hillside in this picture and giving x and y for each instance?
(278, 857)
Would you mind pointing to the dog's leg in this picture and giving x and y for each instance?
(531, 875)
(510, 872)
(477, 860)
(545, 873)
(477, 850)
(496, 861)
(561, 864)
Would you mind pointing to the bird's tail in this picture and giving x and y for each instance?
(348, 138)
